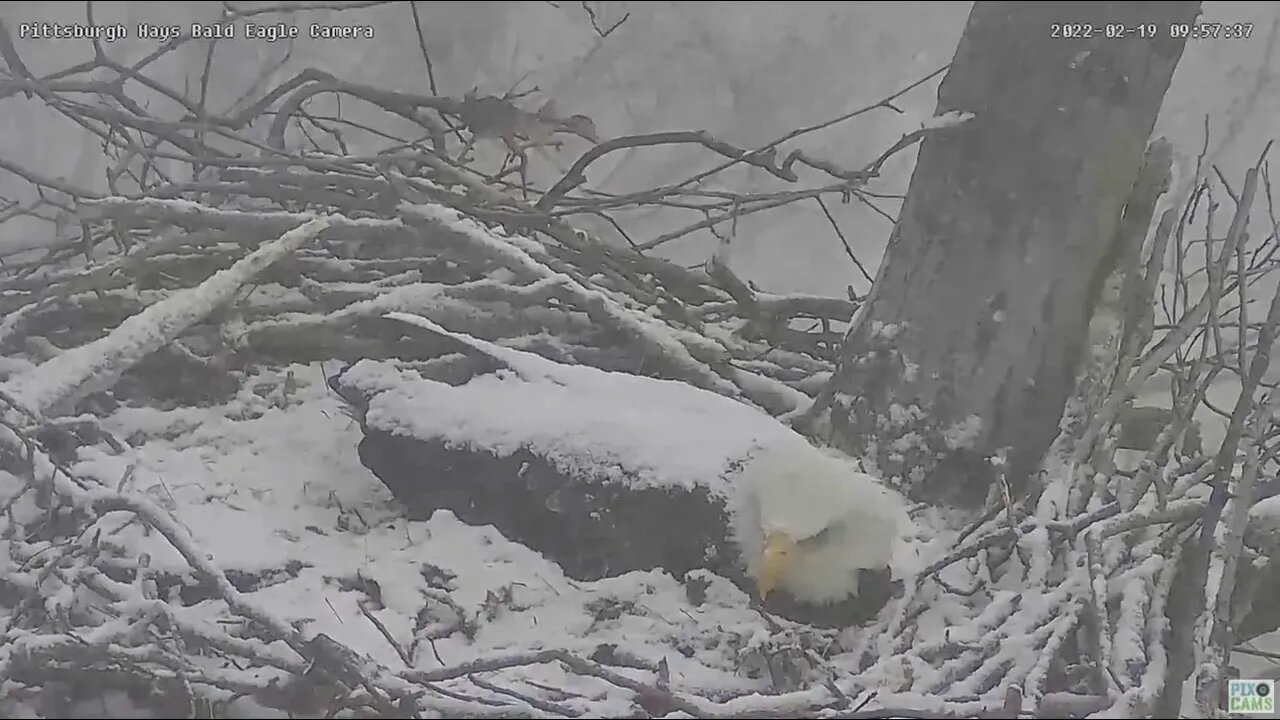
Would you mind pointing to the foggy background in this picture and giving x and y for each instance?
(746, 72)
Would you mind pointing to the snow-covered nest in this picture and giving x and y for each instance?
(268, 488)
(239, 554)
(241, 551)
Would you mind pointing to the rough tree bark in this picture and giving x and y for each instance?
(970, 342)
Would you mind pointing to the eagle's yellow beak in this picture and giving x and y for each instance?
(773, 562)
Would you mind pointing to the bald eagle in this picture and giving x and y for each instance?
(684, 478)
(810, 521)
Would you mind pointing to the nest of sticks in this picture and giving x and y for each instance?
(1084, 596)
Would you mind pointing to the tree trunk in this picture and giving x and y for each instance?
(970, 342)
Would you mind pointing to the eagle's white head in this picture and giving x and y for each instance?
(810, 520)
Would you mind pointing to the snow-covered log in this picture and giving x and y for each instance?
(603, 473)
(56, 384)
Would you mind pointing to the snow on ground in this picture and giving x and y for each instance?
(271, 484)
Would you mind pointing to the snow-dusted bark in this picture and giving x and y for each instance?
(993, 267)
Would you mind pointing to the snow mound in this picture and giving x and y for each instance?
(590, 423)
